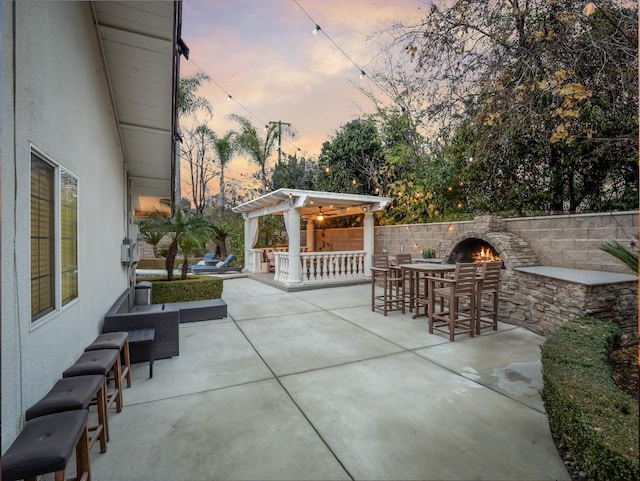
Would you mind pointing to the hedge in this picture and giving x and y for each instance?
(195, 288)
(594, 419)
(157, 263)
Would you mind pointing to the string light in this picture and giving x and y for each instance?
(317, 30)
(230, 98)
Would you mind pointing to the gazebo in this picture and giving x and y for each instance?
(294, 267)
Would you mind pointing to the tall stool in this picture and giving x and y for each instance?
(46, 444)
(75, 393)
(101, 362)
(115, 340)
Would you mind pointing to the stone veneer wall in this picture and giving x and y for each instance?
(541, 303)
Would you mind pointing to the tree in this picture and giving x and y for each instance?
(249, 143)
(550, 94)
(349, 162)
(621, 253)
(223, 147)
(197, 149)
(186, 231)
(153, 239)
(150, 229)
(188, 101)
(294, 173)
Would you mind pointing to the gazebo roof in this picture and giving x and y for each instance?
(309, 203)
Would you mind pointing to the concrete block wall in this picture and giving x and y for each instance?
(563, 241)
(573, 240)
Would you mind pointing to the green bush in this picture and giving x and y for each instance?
(195, 288)
(597, 421)
(157, 263)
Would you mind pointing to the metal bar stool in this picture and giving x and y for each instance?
(46, 444)
(101, 362)
(115, 340)
(74, 393)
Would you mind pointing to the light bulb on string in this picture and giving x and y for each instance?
(316, 29)
(229, 98)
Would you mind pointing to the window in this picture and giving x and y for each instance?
(54, 237)
(42, 238)
(68, 237)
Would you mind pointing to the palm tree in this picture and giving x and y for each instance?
(223, 147)
(188, 101)
(249, 143)
(150, 229)
(153, 239)
(618, 251)
(187, 232)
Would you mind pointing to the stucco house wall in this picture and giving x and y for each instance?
(57, 99)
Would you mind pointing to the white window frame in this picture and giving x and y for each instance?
(57, 236)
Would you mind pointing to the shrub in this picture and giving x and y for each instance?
(159, 263)
(597, 421)
(195, 288)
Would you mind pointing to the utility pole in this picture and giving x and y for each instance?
(280, 124)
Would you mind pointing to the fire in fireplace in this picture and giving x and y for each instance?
(473, 250)
(485, 254)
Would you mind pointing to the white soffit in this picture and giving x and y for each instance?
(138, 44)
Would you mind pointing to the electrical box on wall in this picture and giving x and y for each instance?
(125, 251)
(130, 249)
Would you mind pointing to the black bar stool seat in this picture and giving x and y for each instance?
(101, 362)
(115, 340)
(73, 393)
(46, 444)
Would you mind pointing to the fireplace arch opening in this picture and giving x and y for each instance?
(473, 249)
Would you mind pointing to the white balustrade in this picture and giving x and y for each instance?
(330, 266)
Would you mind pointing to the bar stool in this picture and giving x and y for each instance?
(101, 362)
(392, 297)
(75, 393)
(115, 340)
(450, 318)
(488, 286)
(46, 444)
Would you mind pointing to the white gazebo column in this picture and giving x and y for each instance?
(248, 264)
(367, 227)
(311, 244)
(293, 232)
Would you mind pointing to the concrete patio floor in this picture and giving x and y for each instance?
(312, 385)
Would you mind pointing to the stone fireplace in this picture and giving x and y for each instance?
(488, 233)
(539, 297)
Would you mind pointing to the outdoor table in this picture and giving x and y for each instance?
(418, 272)
(145, 337)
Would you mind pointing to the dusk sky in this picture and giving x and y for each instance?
(263, 54)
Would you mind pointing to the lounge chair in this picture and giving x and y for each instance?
(209, 258)
(220, 267)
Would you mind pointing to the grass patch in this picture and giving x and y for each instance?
(596, 421)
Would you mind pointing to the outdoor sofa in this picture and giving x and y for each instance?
(125, 315)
